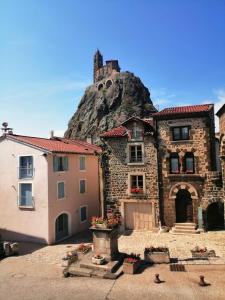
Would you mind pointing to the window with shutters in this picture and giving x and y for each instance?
(82, 186)
(25, 198)
(83, 213)
(60, 163)
(82, 160)
(61, 189)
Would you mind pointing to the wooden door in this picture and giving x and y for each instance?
(138, 216)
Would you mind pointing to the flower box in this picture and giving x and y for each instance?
(130, 268)
(203, 253)
(198, 252)
(156, 255)
(136, 191)
(98, 259)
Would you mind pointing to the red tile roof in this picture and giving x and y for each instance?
(117, 131)
(184, 110)
(122, 130)
(56, 144)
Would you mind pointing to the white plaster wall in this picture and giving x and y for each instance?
(16, 223)
(73, 199)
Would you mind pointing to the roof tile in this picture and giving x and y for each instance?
(57, 144)
(184, 110)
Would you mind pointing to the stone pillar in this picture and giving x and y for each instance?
(105, 242)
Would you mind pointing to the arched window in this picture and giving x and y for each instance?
(189, 165)
(174, 163)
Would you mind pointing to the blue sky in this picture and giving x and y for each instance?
(177, 48)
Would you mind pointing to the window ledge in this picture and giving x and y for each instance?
(136, 164)
(182, 141)
(185, 175)
(26, 207)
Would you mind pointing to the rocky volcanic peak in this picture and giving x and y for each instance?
(108, 103)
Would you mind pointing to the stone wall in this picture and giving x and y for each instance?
(201, 144)
(222, 124)
(117, 171)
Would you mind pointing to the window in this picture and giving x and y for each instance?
(25, 167)
(25, 194)
(137, 133)
(180, 133)
(60, 163)
(82, 163)
(189, 163)
(83, 213)
(174, 163)
(82, 186)
(61, 190)
(136, 154)
(136, 183)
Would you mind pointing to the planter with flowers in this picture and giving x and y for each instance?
(131, 263)
(136, 190)
(98, 259)
(105, 236)
(157, 255)
(199, 252)
(110, 222)
(83, 248)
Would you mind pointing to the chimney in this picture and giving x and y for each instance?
(5, 129)
(51, 134)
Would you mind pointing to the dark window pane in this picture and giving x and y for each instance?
(174, 163)
(83, 214)
(133, 181)
(185, 133)
(189, 162)
(176, 133)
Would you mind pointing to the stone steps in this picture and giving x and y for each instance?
(184, 228)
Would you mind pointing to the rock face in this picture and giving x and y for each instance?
(107, 103)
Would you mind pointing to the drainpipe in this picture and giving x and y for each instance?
(160, 192)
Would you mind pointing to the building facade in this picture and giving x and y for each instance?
(49, 188)
(178, 169)
(131, 174)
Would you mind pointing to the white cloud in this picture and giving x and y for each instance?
(43, 89)
(218, 103)
(162, 97)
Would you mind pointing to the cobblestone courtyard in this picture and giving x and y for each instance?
(37, 272)
(179, 245)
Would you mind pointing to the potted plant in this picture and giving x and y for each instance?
(98, 222)
(83, 248)
(131, 263)
(98, 259)
(157, 255)
(110, 222)
(198, 252)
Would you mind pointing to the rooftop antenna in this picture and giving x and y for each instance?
(6, 129)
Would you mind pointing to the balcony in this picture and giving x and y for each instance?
(26, 172)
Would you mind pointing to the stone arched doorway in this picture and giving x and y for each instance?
(215, 216)
(61, 227)
(184, 207)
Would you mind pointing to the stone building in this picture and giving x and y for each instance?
(130, 172)
(189, 181)
(101, 71)
(174, 155)
(221, 115)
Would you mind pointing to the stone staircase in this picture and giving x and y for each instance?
(184, 228)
